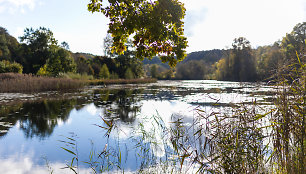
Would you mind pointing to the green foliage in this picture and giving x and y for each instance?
(60, 62)
(295, 42)
(99, 61)
(37, 48)
(128, 74)
(153, 71)
(8, 45)
(239, 65)
(129, 61)
(288, 121)
(38, 39)
(157, 27)
(270, 61)
(192, 70)
(222, 69)
(83, 65)
(6, 66)
(43, 71)
(113, 76)
(104, 72)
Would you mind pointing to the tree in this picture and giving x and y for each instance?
(222, 69)
(191, 70)
(8, 46)
(65, 45)
(270, 60)
(100, 60)
(60, 61)
(38, 43)
(83, 66)
(294, 42)
(128, 74)
(241, 62)
(104, 72)
(153, 71)
(239, 65)
(157, 27)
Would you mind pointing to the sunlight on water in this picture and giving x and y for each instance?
(32, 130)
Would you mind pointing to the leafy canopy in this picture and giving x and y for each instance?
(156, 26)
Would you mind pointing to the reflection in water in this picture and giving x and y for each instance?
(36, 118)
(24, 164)
(121, 104)
(40, 118)
(137, 111)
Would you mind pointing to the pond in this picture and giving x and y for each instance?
(43, 132)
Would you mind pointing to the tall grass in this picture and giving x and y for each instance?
(289, 131)
(121, 81)
(76, 76)
(12, 82)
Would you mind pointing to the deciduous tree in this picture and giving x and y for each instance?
(157, 27)
(38, 51)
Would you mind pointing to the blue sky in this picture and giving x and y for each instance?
(209, 24)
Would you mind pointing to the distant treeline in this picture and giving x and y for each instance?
(38, 52)
(240, 63)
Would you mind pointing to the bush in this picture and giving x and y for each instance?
(6, 66)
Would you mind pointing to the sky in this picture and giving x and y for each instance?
(209, 24)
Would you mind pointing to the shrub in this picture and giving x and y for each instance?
(6, 66)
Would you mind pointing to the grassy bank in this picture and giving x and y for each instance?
(12, 82)
(120, 81)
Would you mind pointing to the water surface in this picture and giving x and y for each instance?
(34, 127)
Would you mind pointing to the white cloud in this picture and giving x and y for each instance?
(24, 165)
(13, 6)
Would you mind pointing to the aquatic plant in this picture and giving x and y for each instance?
(12, 82)
(121, 81)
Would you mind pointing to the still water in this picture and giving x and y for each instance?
(35, 129)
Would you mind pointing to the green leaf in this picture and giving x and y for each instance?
(68, 151)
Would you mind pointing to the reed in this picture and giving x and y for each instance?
(11, 82)
(121, 81)
(289, 131)
(76, 76)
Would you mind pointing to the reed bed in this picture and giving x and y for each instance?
(121, 81)
(12, 82)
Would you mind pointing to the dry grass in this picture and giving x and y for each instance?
(121, 81)
(11, 82)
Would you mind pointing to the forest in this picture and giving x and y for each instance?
(39, 53)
